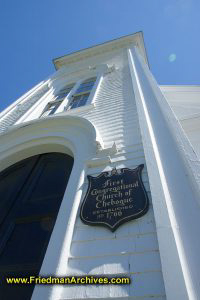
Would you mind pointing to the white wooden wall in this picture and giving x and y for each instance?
(133, 249)
(185, 102)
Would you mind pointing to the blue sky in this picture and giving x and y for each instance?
(34, 32)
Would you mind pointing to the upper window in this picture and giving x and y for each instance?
(52, 106)
(86, 85)
(79, 100)
(82, 93)
(64, 92)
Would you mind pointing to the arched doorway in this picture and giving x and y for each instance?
(31, 192)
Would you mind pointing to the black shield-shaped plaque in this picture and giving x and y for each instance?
(114, 199)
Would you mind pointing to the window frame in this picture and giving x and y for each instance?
(81, 99)
(81, 93)
(49, 104)
(58, 99)
(84, 82)
(97, 72)
(90, 103)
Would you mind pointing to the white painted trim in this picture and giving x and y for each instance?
(39, 104)
(25, 97)
(173, 170)
(123, 42)
(37, 109)
(88, 73)
(76, 110)
(93, 93)
(66, 100)
(72, 135)
(95, 88)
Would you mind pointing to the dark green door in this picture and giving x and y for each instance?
(31, 192)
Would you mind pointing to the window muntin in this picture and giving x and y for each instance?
(82, 93)
(86, 86)
(79, 100)
(52, 106)
(65, 91)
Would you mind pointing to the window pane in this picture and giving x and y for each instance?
(67, 88)
(65, 91)
(90, 80)
(74, 104)
(83, 89)
(60, 97)
(52, 105)
(84, 99)
(46, 113)
(79, 101)
(51, 108)
(86, 85)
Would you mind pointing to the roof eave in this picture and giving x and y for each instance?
(136, 38)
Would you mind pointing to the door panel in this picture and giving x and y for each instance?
(17, 253)
(11, 182)
(35, 190)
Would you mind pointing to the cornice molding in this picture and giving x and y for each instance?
(124, 42)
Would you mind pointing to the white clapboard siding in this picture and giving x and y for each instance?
(20, 109)
(132, 250)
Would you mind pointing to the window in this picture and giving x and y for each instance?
(86, 86)
(79, 100)
(64, 92)
(82, 93)
(52, 106)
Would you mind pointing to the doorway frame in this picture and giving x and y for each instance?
(71, 135)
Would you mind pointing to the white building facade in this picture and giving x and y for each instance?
(103, 107)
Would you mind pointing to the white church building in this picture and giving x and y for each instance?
(101, 111)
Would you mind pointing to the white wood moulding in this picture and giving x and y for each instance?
(173, 170)
(136, 38)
